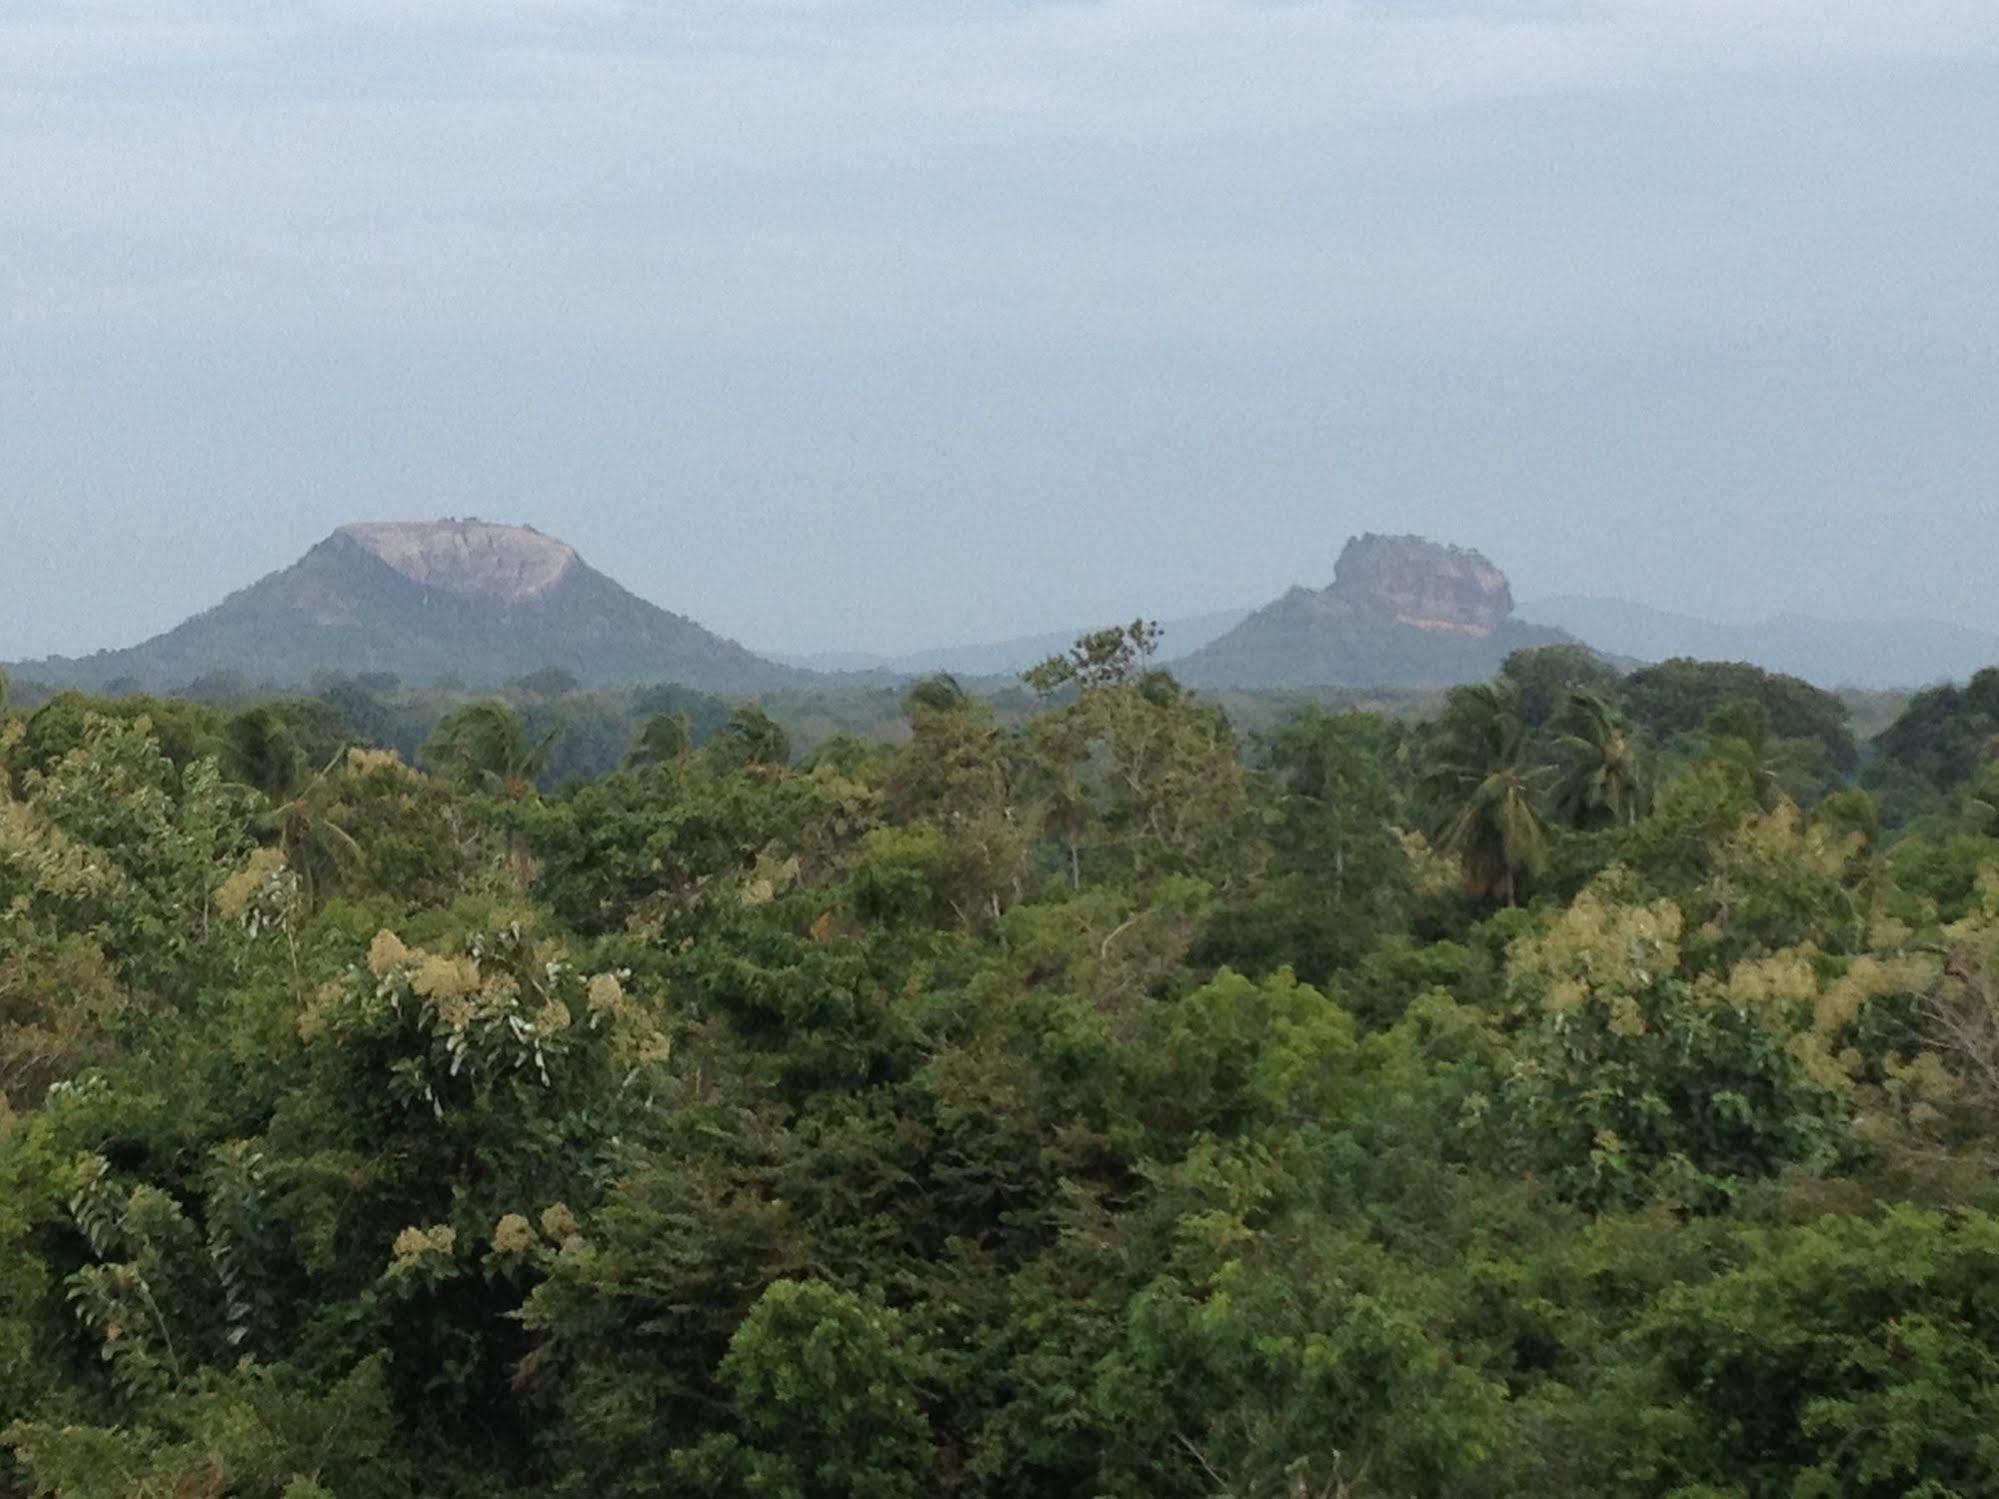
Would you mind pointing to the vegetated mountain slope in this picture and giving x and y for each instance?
(1401, 611)
(426, 600)
(1831, 652)
(1006, 658)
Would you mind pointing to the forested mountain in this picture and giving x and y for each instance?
(1400, 611)
(1830, 652)
(466, 599)
(1297, 635)
(1947, 735)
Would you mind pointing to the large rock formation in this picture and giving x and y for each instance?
(504, 564)
(1405, 580)
(428, 599)
(1400, 611)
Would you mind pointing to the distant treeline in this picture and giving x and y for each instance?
(593, 729)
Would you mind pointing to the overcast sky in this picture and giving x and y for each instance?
(903, 322)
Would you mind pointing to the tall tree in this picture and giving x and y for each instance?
(1738, 734)
(751, 738)
(1484, 791)
(957, 775)
(1102, 658)
(1339, 877)
(1135, 765)
(262, 751)
(485, 745)
(663, 738)
(1547, 674)
(1601, 779)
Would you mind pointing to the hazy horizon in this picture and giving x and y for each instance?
(859, 326)
(1032, 629)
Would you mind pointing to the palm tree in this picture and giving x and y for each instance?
(264, 753)
(663, 738)
(1738, 734)
(309, 833)
(939, 692)
(1601, 780)
(1477, 777)
(485, 745)
(752, 739)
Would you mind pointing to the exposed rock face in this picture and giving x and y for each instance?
(472, 559)
(1406, 580)
(427, 599)
(1401, 611)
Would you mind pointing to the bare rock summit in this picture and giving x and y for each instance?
(1405, 580)
(473, 559)
(1401, 611)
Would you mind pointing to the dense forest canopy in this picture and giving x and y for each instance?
(1587, 1087)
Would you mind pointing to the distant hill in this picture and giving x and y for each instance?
(425, 600)
(1830, 652)
(1006, 658)
(1400, 611)
(487, 603)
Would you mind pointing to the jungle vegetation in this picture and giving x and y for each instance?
(1590, 1088)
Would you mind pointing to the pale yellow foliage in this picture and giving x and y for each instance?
(1434, 873)
(770, 877)
(498, 992)
(1625, 1017)
(654, 1045)
(1886, 933)
(1775, 982)
(1988, 891)
(1819, 1043)
(1870, 977)
(47, 859)
(513, 1235)
(361, 762)
(234, 895)
(605, 993)
(1566, 994)
(446, 978)
(1924, 1077)
(315, 1018)
(1601, 947)
(414, 1244)
(557, 1222)
(386, 952)
(1781, 838)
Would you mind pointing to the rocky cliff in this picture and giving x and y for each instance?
(1405, 580)
(1400, 611)
(472, 559)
